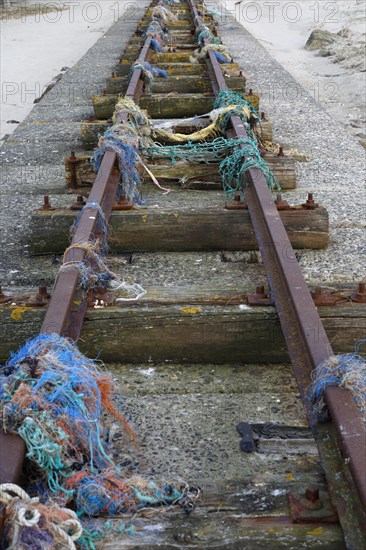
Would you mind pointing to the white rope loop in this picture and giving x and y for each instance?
(24, 513)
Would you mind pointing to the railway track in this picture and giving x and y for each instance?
(178, 322)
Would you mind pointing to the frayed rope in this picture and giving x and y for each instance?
(54, 398)
(346, 371)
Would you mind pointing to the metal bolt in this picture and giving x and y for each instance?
(122, 204)
(3, 298)
(40, 299)
(310, 203)
(263, 115)
(42, 291)
(237, 198)
(46, 204)
(323, 297)
(113, 74)
(312, 494)
(281, 204)
(360, 295)
(72, 162)
(78, 204)
(250, 91)
(280, 152)
(240, 73)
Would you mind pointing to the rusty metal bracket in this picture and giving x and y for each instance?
(237, 204)
(312, 506)
(259, 297)
(323, 297)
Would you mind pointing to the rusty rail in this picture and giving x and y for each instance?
(306, 340)
(63, 316)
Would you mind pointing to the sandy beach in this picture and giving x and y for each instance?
(337, 80)
(39, 40)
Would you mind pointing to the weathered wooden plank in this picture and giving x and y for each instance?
(123, 68)
(184, 333)
(90, 131)
(181, 84)
(158, 105)
(158, 58)
(221, 528)
(134, 49)
(282, 167)
(177, 37)
(182, 24)
(181, 229)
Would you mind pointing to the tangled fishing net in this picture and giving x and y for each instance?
(236, 156)
(163, 13)
(220, 50)
(204, 33)
(206, 152)
(159, 33)
(124, 138)
(347, 371)
(54, 398)
(148, 73)
(228, 98)
(93, 270)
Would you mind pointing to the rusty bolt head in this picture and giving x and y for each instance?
(263, 115)
(259, 297)
(259, 290)
(42, 291)
(122, 204)
(40, 299)
(323, 297)
(281, 204)
(312, 494)
(280, 152)
(46, 204)
(310, 204)
(360, 295)
(237, 204)
(78, 204)
(250, 91)
(73, 158)
(3, 297)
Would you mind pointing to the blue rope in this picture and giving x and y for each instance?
(155, 46)
(221, 58)
(127, 160)
(347, 371)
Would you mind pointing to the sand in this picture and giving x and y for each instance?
(36, 45)
(283, 29)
